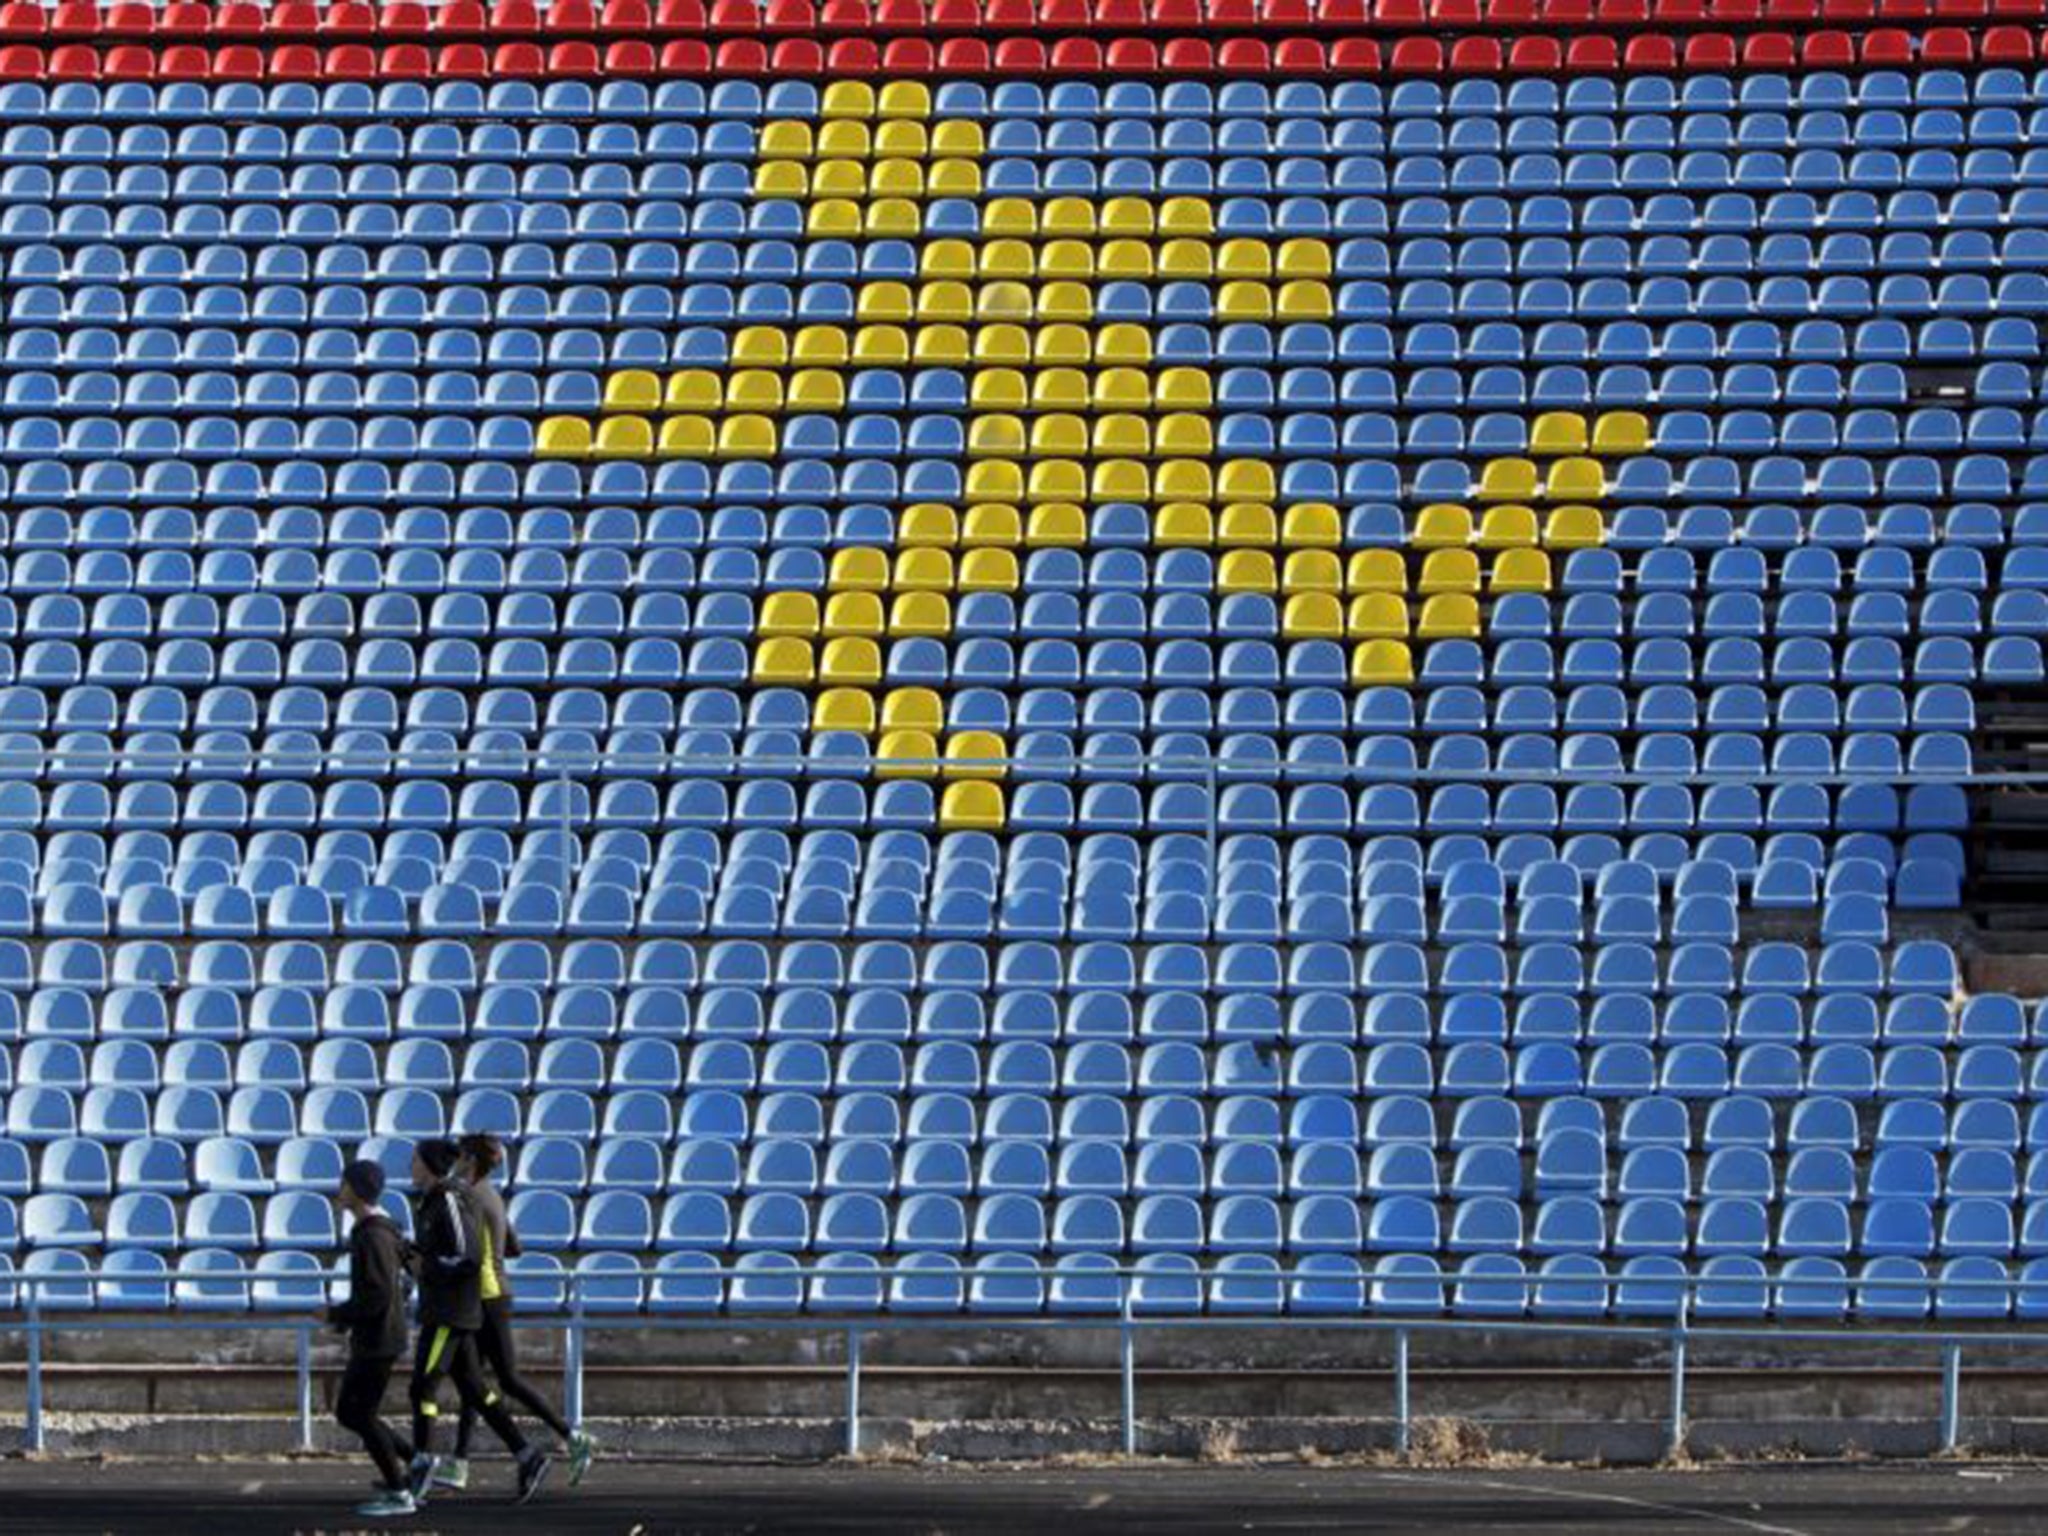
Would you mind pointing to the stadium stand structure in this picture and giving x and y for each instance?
(1357, 684)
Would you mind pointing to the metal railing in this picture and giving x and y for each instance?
(1131, 1317)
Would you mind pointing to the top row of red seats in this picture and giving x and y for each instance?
(401, 20)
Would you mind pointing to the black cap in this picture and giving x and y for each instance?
(439, 1154)
(366, 1178)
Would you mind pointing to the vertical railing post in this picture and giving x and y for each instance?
(853, 1391)
(1211, 835)
(1401, 1419)
(1127, 1361)
(1674, 1444)
(1951, 1398)
(305, 1351)
(568, 857)
(32, 1426)
(572, 1359)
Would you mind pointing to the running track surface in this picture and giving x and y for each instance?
(247, 1498)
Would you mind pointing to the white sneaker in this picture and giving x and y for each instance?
(392, 1504)
(451, 1472)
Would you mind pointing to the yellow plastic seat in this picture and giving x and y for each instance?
(624, 437)
(1059, 435)
(1064, 300)
(853, 613)
(1068, 216)
(833, 218)
(693, 389)
(855, 659)
(1507, 527)
(1060, 389)
(1248, 480)
(1184, 480)
(848, 98)
(859, 568)
(958, 136)
(817, 346)
(633, 389)
(789, 613)
(1248, 525)
(1116, 480)
(688, 437)
(839, 178)
(972, 805)
(1575, 480)
(941, 346)
(1072, 259)
(975, 755)
(881, 346)
(1448, 616)
(1305, 298)
(1304, 258)
(1004, 299)
(907, 754)
(1119, 434)
(903, 140)
(1003, 346)
(905, 98)
(1187, 216)
(1128, 216)
(943, 300)
(1014, 216)
(1244, 257)
(946, 258)
(1062, 525)
(1521, 570)
(563, 437)
(1062, 343)
(1126, 258)
(913, 709)
(756, 390)
(817, 389)
(844, 709)
(788, 139)
(989, 570)
(1442, 526)
(1056, 480)
(1246, 570)
(995, 480)
(916, 614)
(1124, 343)
(928, 524)
(844, 139)
(1312, 570)
(1009, 258)
(1121, 389)
(1244, 300)
(1557, 433)
(996, 436)
(1378, 663)
(896, 217)
(1183, 525)
(783, 659)
(747, 437)
(1378, 616)
(1312, 616)
(1449, 570)
(1187, 434)
(1619, 434)
(924, 570)
(1185, 389)
(992, 527)
(1574, 528)
(1187, 258)
(898, 178)
(767, 346)
(1508, 480)
(782, 178)
(1312, 525)
(1376, 570)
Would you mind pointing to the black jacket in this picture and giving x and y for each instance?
(448, 1253)
(374, 1313)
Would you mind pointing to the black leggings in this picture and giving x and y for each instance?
(451, 1354)
(356, 1409)
(494, 1343)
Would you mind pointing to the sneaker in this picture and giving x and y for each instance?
(420, 1477)
(533, 1471)
(391, 1504)
(582, 1450)
(451, 1472)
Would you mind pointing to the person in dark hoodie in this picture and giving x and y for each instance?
(447, 1259)
(373, 1317)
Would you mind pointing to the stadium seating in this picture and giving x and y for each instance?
(1349, 684)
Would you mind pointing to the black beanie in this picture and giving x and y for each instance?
(439, 1154)
(366, 1178)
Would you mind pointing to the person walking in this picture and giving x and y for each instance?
(373, 1317)
(482, 1156)
(448, 1247)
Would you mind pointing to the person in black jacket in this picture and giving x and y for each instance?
(373, 1317)
(447, 1258)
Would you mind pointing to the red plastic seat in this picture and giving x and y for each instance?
(21, 20)
(1341, 13)
(75, 18)
(1622, 13)
(909, 56)
(1768, 50)
(633, 17)
(1287, 13)
(1535, 56)
(1077, 54)
(238, 61)
(956, 15)
(2006, 45)
(789, 16)
(1513, 15)
(1020, 56)
(1233, 13)
(1461, 14)
(572, 60)
(687, 16)
(850, 56)
(1009, 15)
(685, 56)
(21, 61)
(1244, 55)
(1416, 56)
(459, 18)
(1476, 56)
(1132, 55)
(1679, 13)
(899, 15)
(1176, 13)
(462, 61)
(1567, 13)
(348, 19)
(404, 61)
(1592, 56)
(570, 16)
(1355, 56)
(1188, 55)
(517, 61)
(1650, 53)
(349, 61)
(1886, 47)
(741, 56)
(964, 56)
(514, 17)
(293, 61)
(1300, 56)
(1402, 15)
